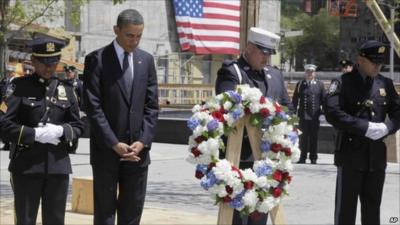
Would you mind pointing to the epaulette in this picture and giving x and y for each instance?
(228, 62)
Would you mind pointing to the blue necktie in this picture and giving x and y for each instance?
(128, 76)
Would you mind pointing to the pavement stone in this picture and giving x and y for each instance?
(174, 196)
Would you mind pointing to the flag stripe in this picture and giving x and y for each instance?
(209, 38)
(207, 21)
(221, 5)
(207, 32)
(219, 16)
(207, 26)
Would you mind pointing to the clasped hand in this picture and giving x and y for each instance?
(376, 130)
(49, 134)
(129, 152)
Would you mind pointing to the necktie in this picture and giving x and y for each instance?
(128, 76)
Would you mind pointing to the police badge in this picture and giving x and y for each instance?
(62, 94)
(333, 87)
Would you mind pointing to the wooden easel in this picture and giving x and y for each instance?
(233, 151)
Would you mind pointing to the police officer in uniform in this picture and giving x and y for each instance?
(71, 76)
(346, 65)
(357, 105)
(252, 68)
(307, 100)
(41, 120)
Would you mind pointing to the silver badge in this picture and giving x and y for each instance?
(62, 94)
(269, 76)
(333, 87)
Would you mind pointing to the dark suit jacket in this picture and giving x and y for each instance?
(308, 98)
(114, 117)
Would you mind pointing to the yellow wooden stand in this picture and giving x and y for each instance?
(82, 195)
(233, 150)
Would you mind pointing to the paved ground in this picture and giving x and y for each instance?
(175, 197)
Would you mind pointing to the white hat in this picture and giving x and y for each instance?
(310, 67)
(267, 41)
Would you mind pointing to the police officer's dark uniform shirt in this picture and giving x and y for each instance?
(25, 108)
(350, 105)
(228, 80)
(307, 99)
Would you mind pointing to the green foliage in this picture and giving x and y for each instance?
(319, 43)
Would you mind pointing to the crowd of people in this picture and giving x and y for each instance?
(40, 117)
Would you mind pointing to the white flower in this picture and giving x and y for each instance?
(266, 205)
(250, 199)
(227, 105)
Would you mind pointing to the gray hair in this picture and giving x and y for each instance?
(129, 16)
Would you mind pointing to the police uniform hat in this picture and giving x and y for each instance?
(310, 67)
(345, 62)
(374, 51)
(47, 50)
(267, 41)
(69, 68)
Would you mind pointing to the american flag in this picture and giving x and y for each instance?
(208, 26)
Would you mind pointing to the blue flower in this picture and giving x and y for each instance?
(267, 121)
(293, 137)
(210, 181)
(235, 97)
(192, 123)
(265, 146)
(263, 170)
(212, 125)
(236, 114)
(202, 168)
(237, 202)
(282, 115)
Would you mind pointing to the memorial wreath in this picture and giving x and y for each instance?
(249, 191)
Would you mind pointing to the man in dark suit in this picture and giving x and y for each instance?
(307, 100)
(252, 68)
(121, 97)
(41, 120)
(364, 107)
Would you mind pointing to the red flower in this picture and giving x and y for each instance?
(277, 192)
(218, 116)
(278, 107)
(196, 152)
(229, 189)
(277, 175)
(264, 112)
(262, 100)
(285, 176)
(247, 111)
(222, 110)
(238, 171)
(276, 147)
(199, 139)
(287, 151)
(199, 174)
(227, 199)
(211, 165)
(248, 185)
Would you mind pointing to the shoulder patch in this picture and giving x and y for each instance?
(334, 87)
(3, 107)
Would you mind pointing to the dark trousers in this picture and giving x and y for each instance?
(261, 219)
(309, 138)
(353, 184)
(30, 189)
(128, 203)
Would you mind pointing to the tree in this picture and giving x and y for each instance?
(320, 41)
(22, 14)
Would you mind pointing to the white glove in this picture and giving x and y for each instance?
(376, 130)
(49, 133)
